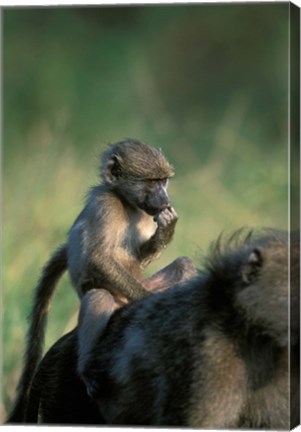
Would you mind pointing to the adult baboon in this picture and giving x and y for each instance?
(211, 354)
(126, 223)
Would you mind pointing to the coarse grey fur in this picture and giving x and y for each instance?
(125, 224)
(212, 353)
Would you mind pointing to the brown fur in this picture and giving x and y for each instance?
(224, 389)
(132, 158)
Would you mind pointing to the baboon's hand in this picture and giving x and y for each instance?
(166, 221)
(167, 218)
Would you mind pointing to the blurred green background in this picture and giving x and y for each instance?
(207, 83)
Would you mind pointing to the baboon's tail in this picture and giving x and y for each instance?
(51, 274)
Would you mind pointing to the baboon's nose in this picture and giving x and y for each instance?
(165, 205)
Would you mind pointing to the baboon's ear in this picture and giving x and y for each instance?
(252, 266)
(113, 169)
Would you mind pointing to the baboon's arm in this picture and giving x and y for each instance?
(111, 275)
(150, 250)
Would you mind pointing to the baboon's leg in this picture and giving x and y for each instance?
(97, 306)
(180, 270)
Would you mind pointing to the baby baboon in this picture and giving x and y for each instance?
(210, 354)
(126, 223)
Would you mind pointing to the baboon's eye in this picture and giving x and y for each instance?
(152, 182)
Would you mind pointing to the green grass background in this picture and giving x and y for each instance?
(208, 84)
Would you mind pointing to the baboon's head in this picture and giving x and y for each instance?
(139, 173)
(257, 280)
